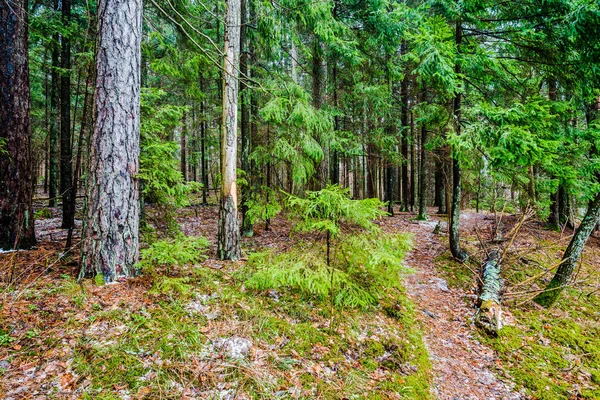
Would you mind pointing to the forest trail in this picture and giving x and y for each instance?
(463, 368)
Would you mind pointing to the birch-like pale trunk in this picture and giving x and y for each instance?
(16, 173)
(228, 230)
(111, 236)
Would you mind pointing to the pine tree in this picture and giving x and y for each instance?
(111, 237)
(16, 170)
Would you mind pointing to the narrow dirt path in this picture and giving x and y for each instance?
(463, 368)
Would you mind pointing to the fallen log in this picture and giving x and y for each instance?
(489, 312)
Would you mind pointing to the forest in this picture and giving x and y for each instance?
(294, 199)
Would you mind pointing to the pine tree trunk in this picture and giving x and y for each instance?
(111, 235)
(413, 165)
(228, 232)
(53, 141)
(203, 161)
(183, 147)
(454, 235)
(423, 172)
(66, 161)
(319, 72)
(245, 94)
(16, 211)
(85, 123)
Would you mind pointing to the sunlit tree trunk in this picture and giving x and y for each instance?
(228, 232)
(16, 211)
(111, 235)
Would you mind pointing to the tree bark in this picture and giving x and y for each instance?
(183, 147)
(571, 255)
(85, 123)
(228, 231)
(54, 125)
(16, 211)
(319, 77)
(66, 162)
(454, 235)
(203, 161)
(111, 233)
(246, 113)
(423, 172)
(489, 313)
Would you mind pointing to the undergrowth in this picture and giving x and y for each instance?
(361, 266)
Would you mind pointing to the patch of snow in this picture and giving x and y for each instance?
(235, 347)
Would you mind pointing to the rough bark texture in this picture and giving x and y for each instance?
(454, 235)
(571, 256)
(247, 228)
(228, 232)
(66, 156)
(53, 133)
(489, 313)
(16, 212)
(111, 236)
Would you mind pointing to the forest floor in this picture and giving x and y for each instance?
(195, 332)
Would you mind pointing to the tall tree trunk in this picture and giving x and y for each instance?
(203, 161)
(319, 76)
(16, 211)
(183, 147)
(404, 141)
(228, 232)
(440, 181)
(246, 113)
(85, 123)
(454, 234)
(111, 234)
(413, 164)
(335, 159)
(54, 125)
(423, 175)
(66, 161)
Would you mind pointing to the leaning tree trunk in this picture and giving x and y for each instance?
(66, 156)
(228, 232)
(16, 211)
(571, 256)
(453, 233)
(111, 236)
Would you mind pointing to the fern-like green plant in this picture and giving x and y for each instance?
(181, 251)
(364, 265)
(355, 267)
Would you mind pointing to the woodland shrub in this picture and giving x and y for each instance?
(362, 265)
(356, 265)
